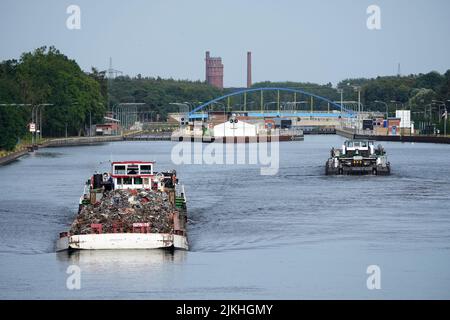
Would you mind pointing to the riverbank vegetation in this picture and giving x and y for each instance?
(68, 96)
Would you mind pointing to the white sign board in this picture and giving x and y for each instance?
(32, 127)
(405, 118)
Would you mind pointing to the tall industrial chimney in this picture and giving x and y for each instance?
(249, 69)
(206, 66)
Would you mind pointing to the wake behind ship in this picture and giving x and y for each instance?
(132, 207)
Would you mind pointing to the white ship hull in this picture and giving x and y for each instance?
(108, 241)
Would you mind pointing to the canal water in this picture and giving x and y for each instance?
(294, 235)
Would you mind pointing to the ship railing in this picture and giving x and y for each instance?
(180, 192)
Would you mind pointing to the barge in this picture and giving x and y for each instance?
(358, 157)
(132, 207)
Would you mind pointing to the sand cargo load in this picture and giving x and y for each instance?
(131, 207)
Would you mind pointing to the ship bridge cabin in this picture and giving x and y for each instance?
(358, 147)
(132, 174)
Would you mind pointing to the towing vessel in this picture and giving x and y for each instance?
(131, 207)
(358, 157)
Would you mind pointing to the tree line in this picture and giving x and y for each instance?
(76, 97)
(46, 76)
(414, 92)
(424, 94)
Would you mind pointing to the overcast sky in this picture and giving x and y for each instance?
(298, 40)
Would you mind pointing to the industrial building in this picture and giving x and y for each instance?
(214, 71)
(401, 124)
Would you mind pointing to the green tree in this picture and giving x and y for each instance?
(420, 99)
(12, 118)
(47, 76)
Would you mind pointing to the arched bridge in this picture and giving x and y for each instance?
(342, 110)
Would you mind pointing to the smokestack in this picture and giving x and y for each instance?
(249, 69)
(206, 66)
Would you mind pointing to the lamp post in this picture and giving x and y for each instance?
(341, 91)
(268, 104)
(398, 103)
(446, 119)
(184, 109)
(192, 106)
(126, 115)
(36, 116)
(440, 104)
(115, 115)
(387, 107)
(358, 89)
(445, 115)
(425, 111)
(296, 103)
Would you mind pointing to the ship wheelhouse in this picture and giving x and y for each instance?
(132, 174)
(358, 147)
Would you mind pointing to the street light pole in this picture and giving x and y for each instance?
(183, 111)
(387, 107)
(445, 115)
(445, 122)
(40, 123)
(33, 121)
(127, 117)
(266, 105)
(358, 88)
(297, 103)
(446, 119)
(341, 91)
(42, 105)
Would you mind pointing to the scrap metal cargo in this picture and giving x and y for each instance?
(130, 208)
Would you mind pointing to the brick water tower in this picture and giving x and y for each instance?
(214, 71)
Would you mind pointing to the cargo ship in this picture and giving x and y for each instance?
(131, 207)
(358, 157)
